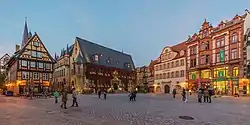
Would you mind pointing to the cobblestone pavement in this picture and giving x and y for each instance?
(149, 109)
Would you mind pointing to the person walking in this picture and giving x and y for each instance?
(56, 95)
(183, 95)
(210, 91)
(74, 96)
(99, 94)
(105, 94)
(174, 93)
(199, 95)
(206, 95)
(64, 99)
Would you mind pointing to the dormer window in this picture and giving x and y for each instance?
(96, 57)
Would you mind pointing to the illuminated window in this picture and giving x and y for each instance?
(236, 71)
(205, 74)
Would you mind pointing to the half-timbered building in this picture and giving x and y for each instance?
(30, 68)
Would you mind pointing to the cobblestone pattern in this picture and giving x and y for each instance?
(147, 110)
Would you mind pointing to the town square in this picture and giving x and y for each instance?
(124, 62)
(149, 109)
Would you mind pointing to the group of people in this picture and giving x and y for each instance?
(132, 96)
(104, 94)
(64, 94)
(206, 94)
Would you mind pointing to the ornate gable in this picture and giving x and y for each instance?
(35, 49)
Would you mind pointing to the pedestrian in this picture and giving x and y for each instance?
(199, 95)
(174, 93)
(206, 95)
(183, 95)
(74, 96)
(99, 94)
(131, 96)
(186, 97)
(210, 91)
(64, 99)
(134, 95)
(105, 94)
(56, 95)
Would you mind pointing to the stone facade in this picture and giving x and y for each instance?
(170, 70)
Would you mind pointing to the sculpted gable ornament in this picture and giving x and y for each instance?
(115, 75)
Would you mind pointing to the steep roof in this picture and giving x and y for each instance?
(25, 34)
(107, 57)
(177, 48)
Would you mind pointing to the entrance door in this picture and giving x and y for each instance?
(167, 89)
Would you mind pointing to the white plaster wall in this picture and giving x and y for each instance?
(174, 80)
(246, 23)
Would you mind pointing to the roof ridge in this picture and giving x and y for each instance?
(103, 46)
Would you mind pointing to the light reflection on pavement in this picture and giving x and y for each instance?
(147, 110)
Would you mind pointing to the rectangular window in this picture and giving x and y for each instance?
(168, 65)
(25, 75)
(41, 65)
(24, 63)
(172, 75)
(48, 66)
(218, 57)
(39, 55)
(182, 62)
(203, 59)
(33, 53)
(168, 75)
(182, 73)
(207, 59)
(222, 41)
(234, 38)
(177, 73)
(218, 43)
(234, 54)
(172, 64)
(33, 64)
(164, 66)
(45, 76)
(35, 43)
(35, 76)
(177, 63)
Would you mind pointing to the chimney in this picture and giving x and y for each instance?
(17, 47)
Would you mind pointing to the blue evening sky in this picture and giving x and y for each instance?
(141, 28)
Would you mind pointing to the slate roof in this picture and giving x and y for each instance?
(107, 57)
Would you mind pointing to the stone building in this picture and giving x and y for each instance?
(141, 77)
(217, 57)
(171, 68)
(94, 67)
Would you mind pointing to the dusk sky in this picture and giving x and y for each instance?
(141, 28)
